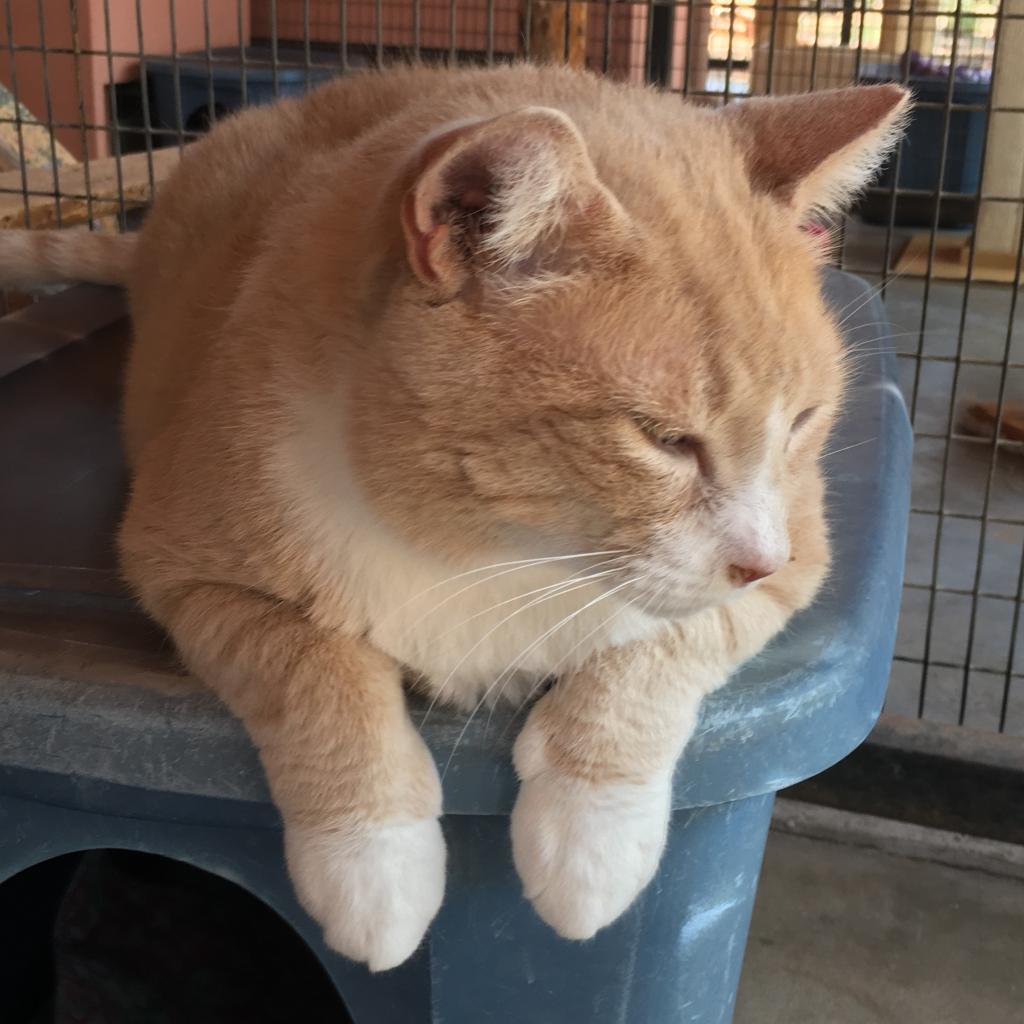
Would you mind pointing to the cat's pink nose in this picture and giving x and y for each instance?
(742, 575)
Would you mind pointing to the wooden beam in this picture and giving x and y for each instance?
(951, 259)
(550, 40)
(104, 190)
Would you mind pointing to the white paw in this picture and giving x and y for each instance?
(584, 851)
(374, 888)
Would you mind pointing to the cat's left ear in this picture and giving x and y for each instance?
(815, 151)
(505, 199)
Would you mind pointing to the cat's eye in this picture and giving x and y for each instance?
(680, 444)
(802, 419)
(683, 445)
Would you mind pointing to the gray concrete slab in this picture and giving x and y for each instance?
(850, 935)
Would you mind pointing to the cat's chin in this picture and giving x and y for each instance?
(668, 610)
(676, 609)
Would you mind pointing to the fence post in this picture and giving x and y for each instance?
(558, 31)
(999, 224)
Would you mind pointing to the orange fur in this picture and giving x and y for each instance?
(32, 258)
(422, 322)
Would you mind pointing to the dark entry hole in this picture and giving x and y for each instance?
(124, 937)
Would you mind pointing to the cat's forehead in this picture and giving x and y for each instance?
(671, 338)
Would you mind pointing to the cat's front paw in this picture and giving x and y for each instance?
(374, 888)
(584, 850)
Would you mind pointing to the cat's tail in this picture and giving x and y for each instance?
(35, 258)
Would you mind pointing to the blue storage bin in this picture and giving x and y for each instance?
(921, 152)
(223, 74)
(89, 759)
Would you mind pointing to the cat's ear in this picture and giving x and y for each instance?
(502, 197)
(815, 151)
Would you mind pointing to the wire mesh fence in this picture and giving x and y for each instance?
(97, 97)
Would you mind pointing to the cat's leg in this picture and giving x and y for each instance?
(597, 754)
(356, 786)
(595, 762)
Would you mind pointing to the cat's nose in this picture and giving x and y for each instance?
(743, 575)
(754, 536)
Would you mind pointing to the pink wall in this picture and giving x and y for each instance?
(94, 70)
(628, 26)
(626, 37)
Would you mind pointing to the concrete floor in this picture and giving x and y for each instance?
(858, 934)
(929, 316)
(849, 935)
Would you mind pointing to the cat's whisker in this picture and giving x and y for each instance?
(657, 597)
(866, 297)
(516, 566)
(509, 671)
(553, 671)
(855, 353)
(876, 323)
(867, 343)
(556, 590)
(838, 451)
(895, 323)
(915, 331)
(486, 636)
(863, 357)
(863, 342)
(565, 657)
(558, 625)
(869, 296)
(524, 705)
(430, 707)
(854, 305)
(576, 577)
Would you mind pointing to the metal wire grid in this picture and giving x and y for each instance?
(669, 43)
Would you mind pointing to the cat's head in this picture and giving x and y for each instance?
(607, 335)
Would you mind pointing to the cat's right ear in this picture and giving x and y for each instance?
(508, 197)
(815, 151)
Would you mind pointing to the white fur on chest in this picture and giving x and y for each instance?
(471, 632)
(495, 633)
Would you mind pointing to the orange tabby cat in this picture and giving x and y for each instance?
(489, 375)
